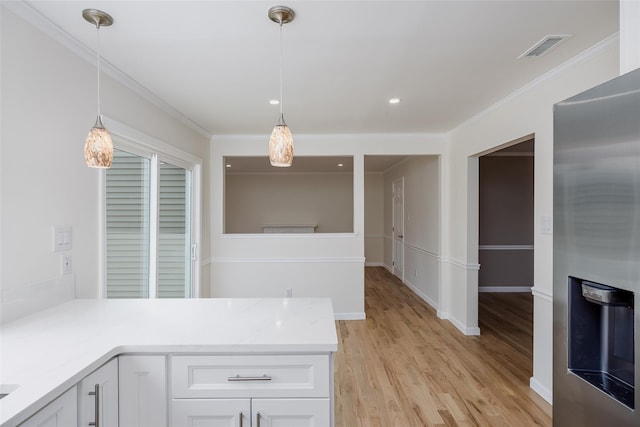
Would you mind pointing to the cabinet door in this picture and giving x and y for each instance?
(62, 412)
(142, 391)
(291, 412)
(104, 380)
(211, 413)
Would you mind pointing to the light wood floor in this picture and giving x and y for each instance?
(404, 367)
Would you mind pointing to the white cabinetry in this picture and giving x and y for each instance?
(62, 412)
(98, 397)
(251, 412)
(211, 412)
(143, 390)
(252, 390)
(290, 412)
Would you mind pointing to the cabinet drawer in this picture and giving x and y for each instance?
(250, 376)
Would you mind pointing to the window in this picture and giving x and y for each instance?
(150, 239)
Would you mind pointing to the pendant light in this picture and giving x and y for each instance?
(98, 148)
(281, 141)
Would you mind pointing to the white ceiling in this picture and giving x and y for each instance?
(217, 61)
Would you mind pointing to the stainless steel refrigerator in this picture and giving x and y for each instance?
(596, 256)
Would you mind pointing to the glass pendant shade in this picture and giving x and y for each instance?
(98, 148)
(281, 145)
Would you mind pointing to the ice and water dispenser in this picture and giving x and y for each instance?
(601, 347)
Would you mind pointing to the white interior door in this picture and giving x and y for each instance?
(398, 227)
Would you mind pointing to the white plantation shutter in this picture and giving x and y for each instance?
(127, 237)
(174, 242)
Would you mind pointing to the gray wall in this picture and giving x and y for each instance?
(506, 221)
(254, 200)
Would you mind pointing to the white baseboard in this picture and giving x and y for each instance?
(526, 289)
(422, 295)
(349, 316)
(467, 330)
(544, 392)
(542, 294)
(374, 264)
(441, 314)
(445, 315)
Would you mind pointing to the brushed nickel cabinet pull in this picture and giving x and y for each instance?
(240, 424)
(239, 378)
(96, 394)
(258, 419)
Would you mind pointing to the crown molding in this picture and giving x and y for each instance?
(48, 27)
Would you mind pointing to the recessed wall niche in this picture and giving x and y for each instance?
(314, 195)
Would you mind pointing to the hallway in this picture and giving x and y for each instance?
(405, 367)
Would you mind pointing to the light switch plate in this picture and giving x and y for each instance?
(546, 225)
(62, 238)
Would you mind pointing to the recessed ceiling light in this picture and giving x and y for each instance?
(394, 100)
(340, 165)
(274, 102)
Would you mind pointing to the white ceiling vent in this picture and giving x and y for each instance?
(544, 45)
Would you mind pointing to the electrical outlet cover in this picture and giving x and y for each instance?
(67, 268)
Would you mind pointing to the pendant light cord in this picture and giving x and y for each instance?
(281, 66)
(98, 62)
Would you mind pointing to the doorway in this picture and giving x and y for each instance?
(505, 215)
(506, 247)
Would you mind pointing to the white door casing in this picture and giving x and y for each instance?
(398, 227)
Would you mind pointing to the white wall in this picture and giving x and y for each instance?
(629, 35)
(374, 218)
(329, 265)
(48, 107)
(421, 224)
(253, 200)
(527, 112)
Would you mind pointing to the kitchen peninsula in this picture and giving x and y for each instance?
(207, 354)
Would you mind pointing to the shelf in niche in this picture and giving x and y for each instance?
(289, 228)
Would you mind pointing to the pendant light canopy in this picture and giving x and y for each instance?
(281, 141)
(98, 148)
